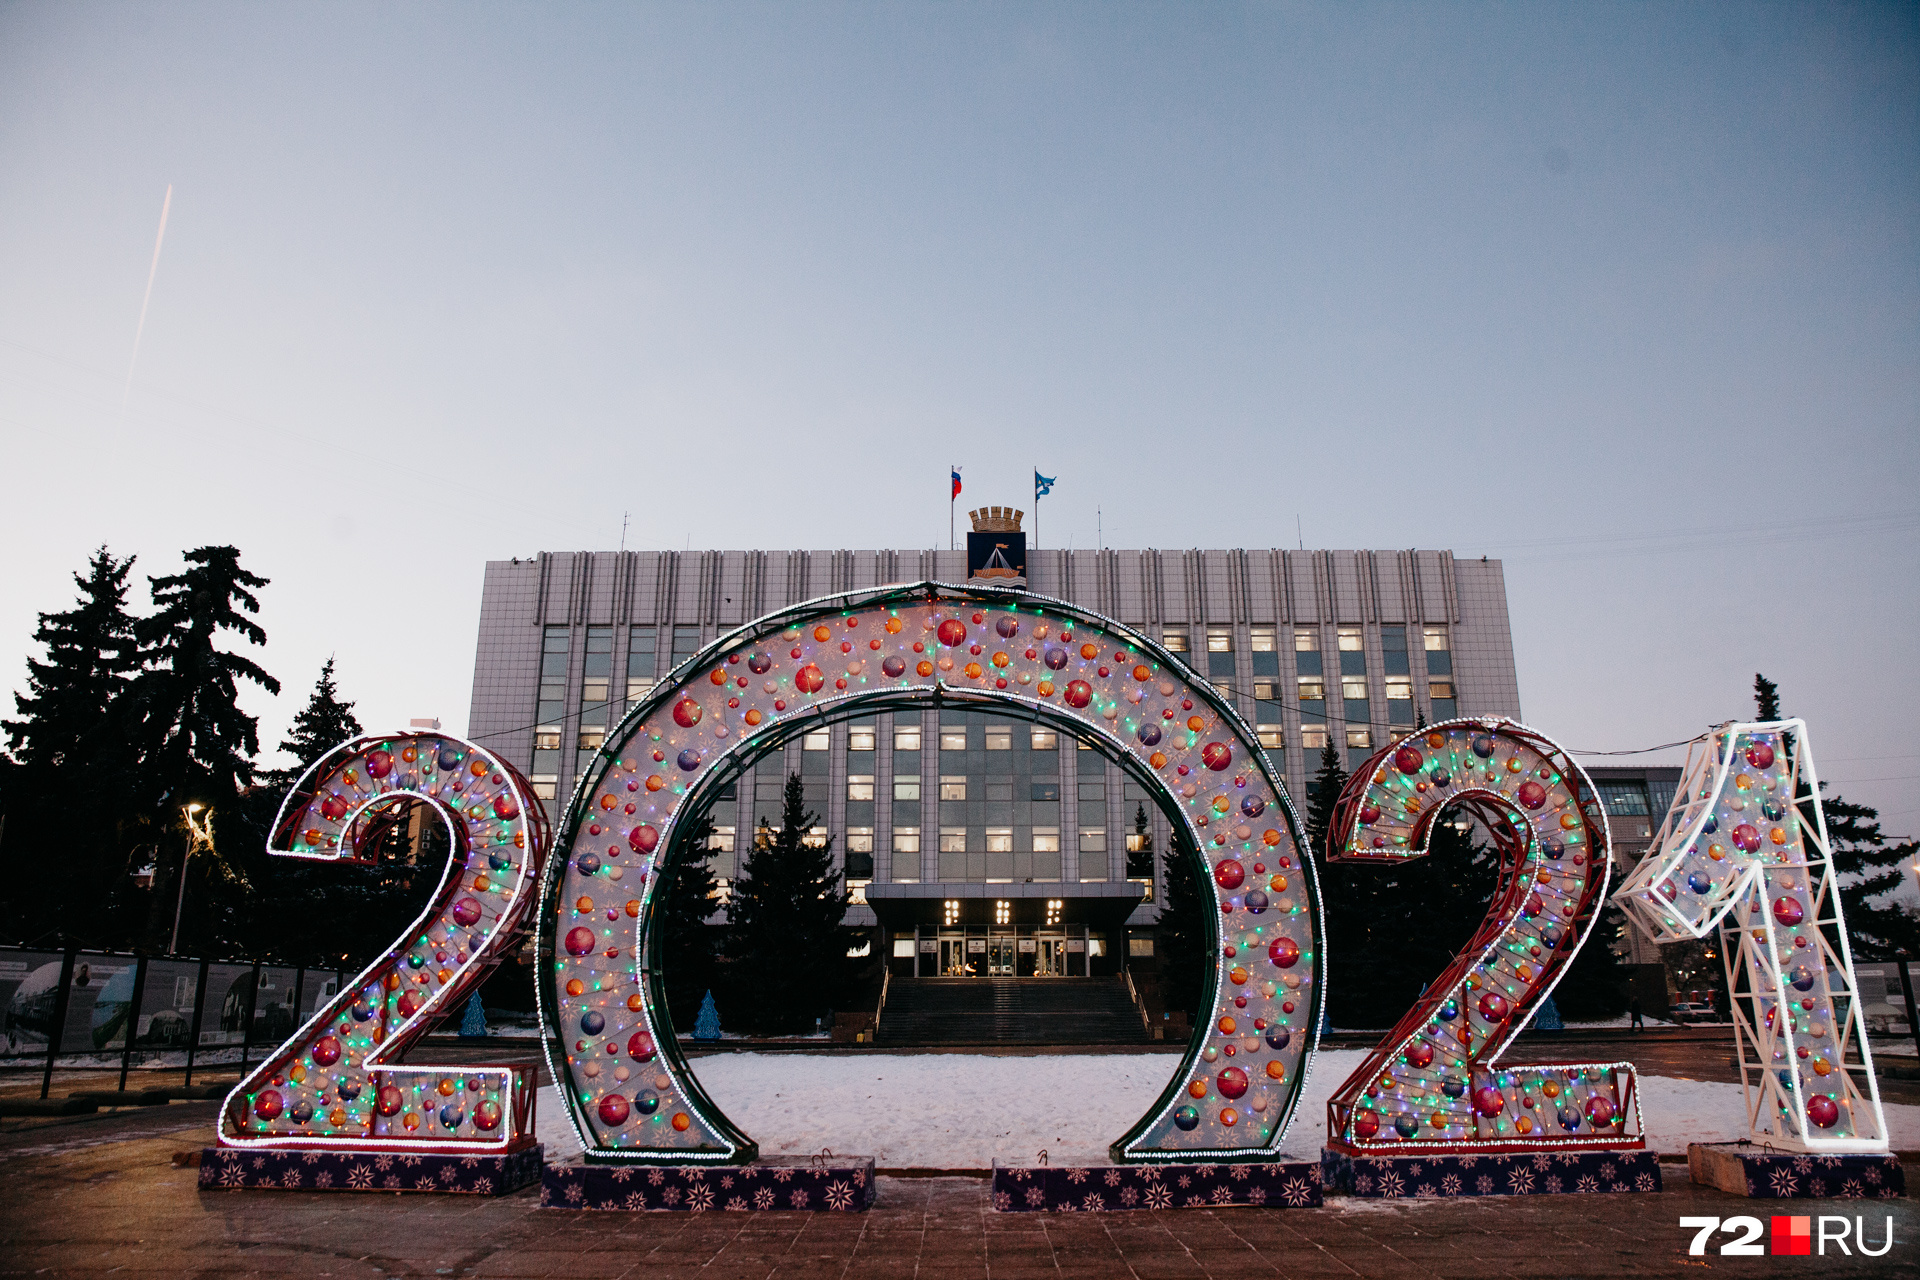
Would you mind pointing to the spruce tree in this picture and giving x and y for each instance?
(68, 783)
(685, 896)
(196, 744)
(1182, 928)
(323, 724)
(785, 942)
(1323, 792)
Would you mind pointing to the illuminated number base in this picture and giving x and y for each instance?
(840, 1185)
(291, 1169)
(1742, 1170)
(1542, 1173)
(1291, 1184)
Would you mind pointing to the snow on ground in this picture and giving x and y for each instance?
(964, 1111)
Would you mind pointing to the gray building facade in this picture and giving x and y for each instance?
(1313, 647)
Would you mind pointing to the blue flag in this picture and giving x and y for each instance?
(1042, 485)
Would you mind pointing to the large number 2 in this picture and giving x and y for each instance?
(1432, 1086)
(337, 1082)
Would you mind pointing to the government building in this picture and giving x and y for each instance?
(977, 843)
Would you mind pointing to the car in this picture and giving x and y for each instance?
(1693, 1011)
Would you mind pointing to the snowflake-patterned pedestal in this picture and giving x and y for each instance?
(1537, 1173)
(1107, 1188)
(285, 1169)
(840, 1184)
(1762, 1173)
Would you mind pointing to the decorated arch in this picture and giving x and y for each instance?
(629, 1094)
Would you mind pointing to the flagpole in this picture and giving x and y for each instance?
(1036, 508)
(951, 498)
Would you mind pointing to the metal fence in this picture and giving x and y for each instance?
(99, 1010)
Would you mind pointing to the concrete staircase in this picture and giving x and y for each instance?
(950, 1011)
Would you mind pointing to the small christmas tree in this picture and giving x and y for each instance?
(1548, 1019)
(707, 1026)
(474, 1024)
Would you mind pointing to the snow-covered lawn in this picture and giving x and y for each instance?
(963, 1111)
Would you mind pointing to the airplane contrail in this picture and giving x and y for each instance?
(152, 271)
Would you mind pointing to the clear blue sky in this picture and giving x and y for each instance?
(1625, 295)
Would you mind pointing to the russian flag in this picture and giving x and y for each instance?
(956, 483)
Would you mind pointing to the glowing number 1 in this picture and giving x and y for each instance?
(1434, 1083)
(336, 1083)
(1745, 847)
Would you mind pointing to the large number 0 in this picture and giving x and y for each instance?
(337, 1082)
(1434, 1084)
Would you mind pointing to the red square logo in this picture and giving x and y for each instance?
(1793, 1235)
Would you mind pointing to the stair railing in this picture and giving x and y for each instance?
(1146, 1023)
(886, 979)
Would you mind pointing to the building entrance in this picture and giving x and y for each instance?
(1058, 951)
(1000, 957)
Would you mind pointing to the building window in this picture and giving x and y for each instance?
(860, 737)
(1267, 690)
(816, 740)
(953, 737)
(1139, 946)
(1393, 649)
(1046, 791)
(1220, 654)
(722, 840)
(1360, 739)
(859, 853)
(953, 786)
(906, 737)
(546, 738)
(1174, 641)
(1445, 701)
(1223, 687)
(999, 737)
(906, 789)
(591, 736)
(857, 897)
(686, 643)
(596, 675)
(999, 839)
(1439, 653)
(553, 676)
(1272, 737)
(1093, 839)
(906, 840)
(1353, 688)
(816, 838)
(1312, 689)
(1219, 639)
(640, 655)
(1046, 839)
(544, 785)
(1400, 700)
(1043, 739)
(1264, 640)
(859, 786)
(1350, 641)
(953, 839)
(1313, 737)
(1306, 639)
(859, 839)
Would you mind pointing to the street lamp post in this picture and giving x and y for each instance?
(196, 834)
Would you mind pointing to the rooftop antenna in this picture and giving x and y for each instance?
(1100, 529)
(623, 532)
(1300, 531)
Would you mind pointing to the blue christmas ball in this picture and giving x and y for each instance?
(1803, 979)
(689, 760)
(362, 1010)
(449, 758)
(1449, 1011)
(1253, 806)
(1057, 661)
(1278, 1038)
(1569, 1117)
(587, 864)
(1149, 734)
(301, 1112)
(1483, 746)
(1405, 1125)
(349, 1090)
(452, 1114)
(1256, 901)
(1186, 1118)
(1699, 882)
(647, 1103)
(498, 861)
(1454, 1088)
(592, 1022)
(1712, 824)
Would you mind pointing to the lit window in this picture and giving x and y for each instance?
(546, 738)
(1263, 640)
(1175, 641)
(816, 740)
(1350, 640)
(1223, 687)
(953, 737)
(1003, 912)
(999, 737)
(857, 896)
(1138, 841)
(591, 738)
(860, 737)
(859, 786)
(906, 737)
(1359, 738)
(816, 838)
(903, 948)
(1219, 640)
(1353, 688)
(999, 839)
(1093, 839)
(1272, 737)
(543, 786)
(953, 786)
(906, 789)
(1313, 737)
(638, 687)
(1267, 690)
(722, 840)
(1044, 739)
(1440, 688)
(1435, 638)
(1046, 839)
(1306, 640)
(906, 839)
(953, 839)
(1399, 688)
(859, 839)
(1312, 689)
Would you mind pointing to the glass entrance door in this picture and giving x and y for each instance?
(953, 957)
(1052, 961)
(1000, 957)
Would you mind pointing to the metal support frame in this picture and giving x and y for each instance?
(133, 1019)
(58, 1031)
(199, 1013)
